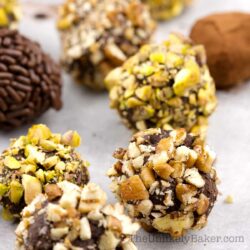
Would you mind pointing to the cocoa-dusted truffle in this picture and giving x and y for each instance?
(226, 39)
(166, 85)
(30, 82)
(166, 180)
(33, 164)
(10, 13)
(77, 219)
(165, 9)
(98, 36)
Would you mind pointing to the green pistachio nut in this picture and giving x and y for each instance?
(32, 187)
(3, 189)
(3, 18)
(133, 102)
(16, 192)
(143, 113)
(60, 166)
(28, 168)
(33, 154)
(186, 78)
(11, 163)
(113, 78)
(51, 161)
(48, 145)
(147, 70)
(71, 138)
(49, 175)
(40, 175)
(144, 93)
(174, 60)
(157, 57)
(38, 132)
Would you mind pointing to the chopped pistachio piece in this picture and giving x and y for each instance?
(38, 132)
(11, 163)
(16, 192)
(32, 187)
(3, 189)
(10, 13)
(71, 138)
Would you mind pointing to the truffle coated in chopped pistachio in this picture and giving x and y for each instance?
(77, 219)
(166, 179)
(165, 9)
(10, 13)
(166, 86)
(35, 162)
(98, 36)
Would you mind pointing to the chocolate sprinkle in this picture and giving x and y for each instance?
(30, 82)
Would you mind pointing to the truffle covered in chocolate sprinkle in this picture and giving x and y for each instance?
(77, 219)
(34, 163)
(10, 13)
(98, 36)
(166, 180)
(30, 82)
(166, 85)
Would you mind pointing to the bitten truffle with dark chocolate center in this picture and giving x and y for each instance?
(98, 36)
(77, 219)
(165, 85)
(33, 164)
(166, 180)
(30, 82)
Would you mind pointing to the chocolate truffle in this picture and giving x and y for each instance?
(30, 82)
(166, 85)
(98, 36)
(165, 9)
(10, 13)
(34, 163)
(166, 180)
(77, 219)
(226, 37)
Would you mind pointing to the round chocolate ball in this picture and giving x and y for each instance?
(165, 9)
(166, 180)
(34, 163)
(225, 37)
(77, 219)
(10, 13)
(98, 36)
(166, 86)
(30, 82)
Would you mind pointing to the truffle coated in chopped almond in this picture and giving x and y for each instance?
(98, 36)
(60, 225)
(173, 188)
(34, 163)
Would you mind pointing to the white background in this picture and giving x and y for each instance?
(102, 132)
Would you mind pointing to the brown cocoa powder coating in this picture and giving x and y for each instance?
(30, 82)
(226, 37)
